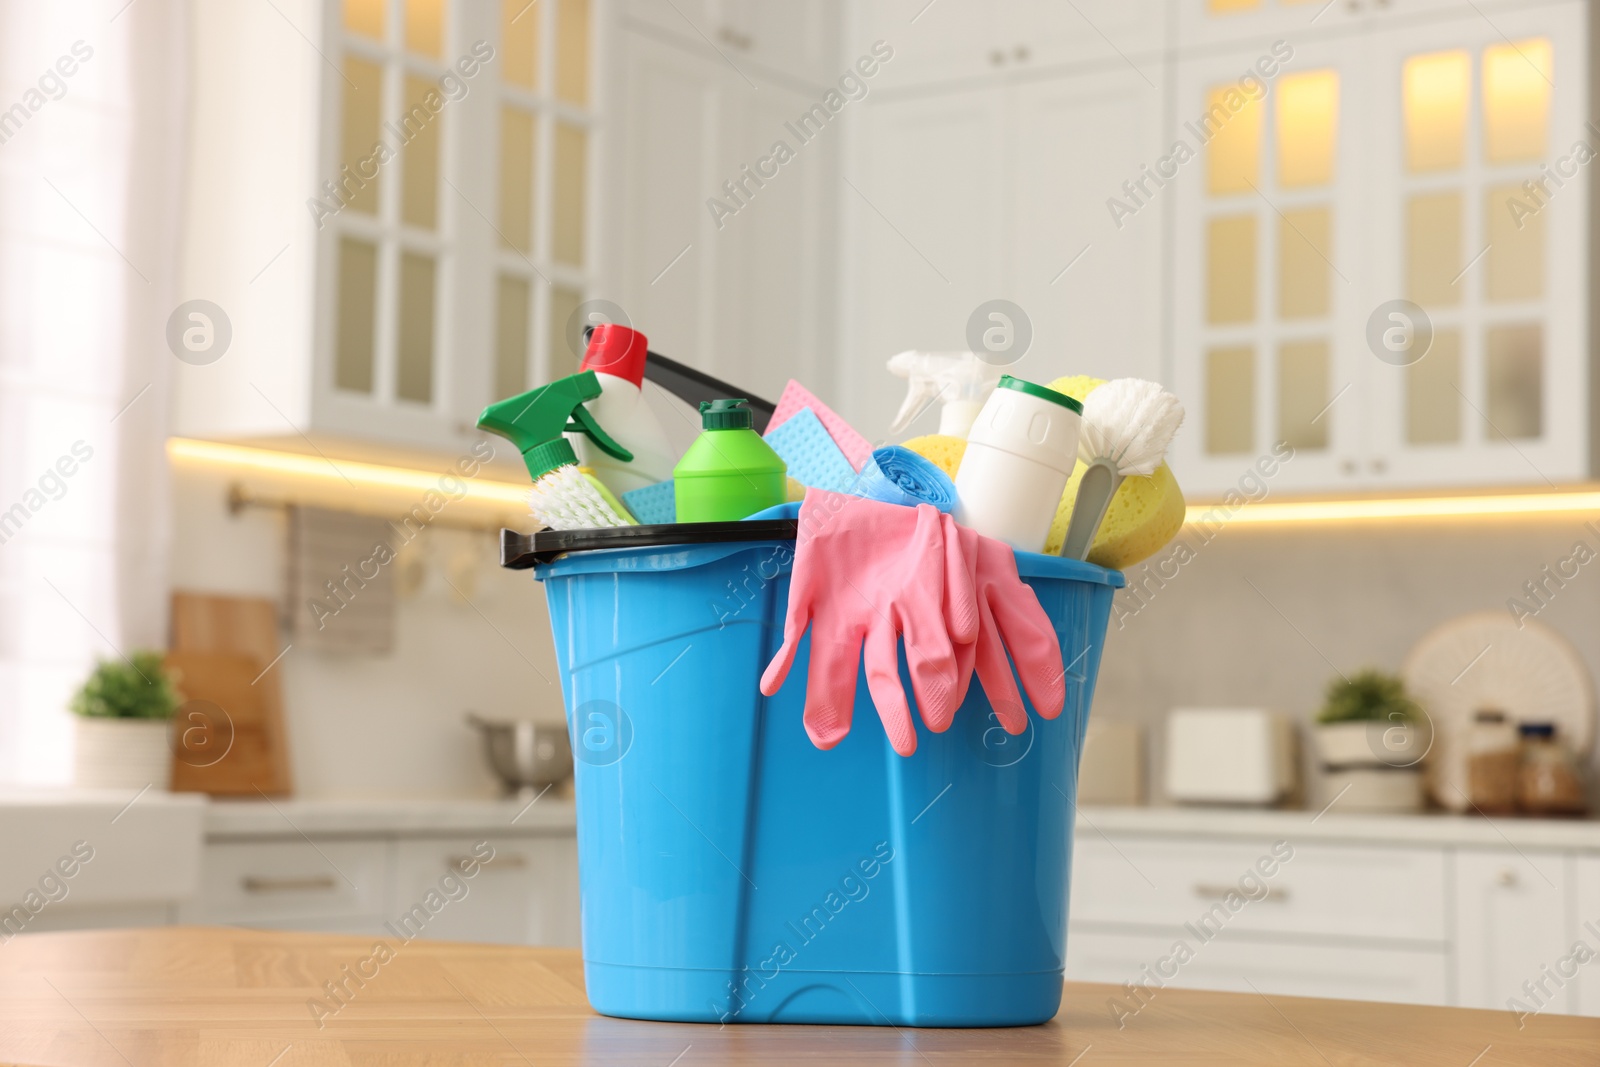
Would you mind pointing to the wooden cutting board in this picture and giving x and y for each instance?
(229, 737)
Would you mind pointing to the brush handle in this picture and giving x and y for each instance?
(1098, 485)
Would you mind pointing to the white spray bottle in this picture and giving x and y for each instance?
(616, 354)
(961, 381)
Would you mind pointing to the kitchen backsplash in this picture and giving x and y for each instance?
(1261, 617)
(1264, 616)
(365, 725)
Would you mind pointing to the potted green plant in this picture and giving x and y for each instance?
(1371, 737)
(124, 713)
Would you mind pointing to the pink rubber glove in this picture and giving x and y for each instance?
(1009, 618)
(869, 572)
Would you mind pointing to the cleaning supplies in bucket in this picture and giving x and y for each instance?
(961, 381)
(709, 826)
(729, 472)
(1144, 516)
(563, 498)
(1127, 425)
(897, 475)
(1020, 453)
(616, 356)
(866, 575)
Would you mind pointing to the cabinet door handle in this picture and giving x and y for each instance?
(1217, 891)
(997, 58)
(1507, 877)
(1349, 466)
(316, 883)
(730, 36)
(511, 862)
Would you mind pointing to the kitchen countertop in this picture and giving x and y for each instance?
(551, 813)
(187, 997)
(555, 813)
(1333, 825)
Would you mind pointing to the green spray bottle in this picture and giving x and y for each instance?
(535, 421)
(729, 472)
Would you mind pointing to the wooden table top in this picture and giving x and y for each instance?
(198, 997)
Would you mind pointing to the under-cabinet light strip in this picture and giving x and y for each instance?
(1489, 505)
(346, 473)
(1265, 512)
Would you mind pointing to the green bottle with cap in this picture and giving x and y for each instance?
(729, 472)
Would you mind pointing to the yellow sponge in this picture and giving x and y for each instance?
(942, 451)
(1145, 514)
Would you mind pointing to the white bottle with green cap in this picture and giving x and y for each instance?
(1020, 453)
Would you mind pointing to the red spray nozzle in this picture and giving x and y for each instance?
(618, 351)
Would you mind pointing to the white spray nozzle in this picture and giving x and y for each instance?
(961, 381)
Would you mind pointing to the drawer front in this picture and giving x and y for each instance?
(267, 881)
(1313, 888)
(504, 890)
(1234, 964)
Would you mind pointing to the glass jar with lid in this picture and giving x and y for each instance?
(1548, 780)
(1493, 762)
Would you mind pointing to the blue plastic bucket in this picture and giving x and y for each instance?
(732, 872)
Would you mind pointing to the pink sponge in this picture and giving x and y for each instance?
(797, 397)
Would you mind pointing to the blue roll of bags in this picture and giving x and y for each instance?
(897, 475)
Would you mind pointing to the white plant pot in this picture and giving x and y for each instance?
(122, 753)
(1372, 789)
(1371, 744)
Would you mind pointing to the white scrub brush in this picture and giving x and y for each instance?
(1127, 425)
(563, 497)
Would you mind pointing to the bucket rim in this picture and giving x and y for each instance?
(602, 551)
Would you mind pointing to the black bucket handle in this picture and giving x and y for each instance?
(520, 551)
(692, 386)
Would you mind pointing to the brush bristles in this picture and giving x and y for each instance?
(564, 500)
(1128, 424)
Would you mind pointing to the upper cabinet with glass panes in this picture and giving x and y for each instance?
(436, 220)
(1380, 269)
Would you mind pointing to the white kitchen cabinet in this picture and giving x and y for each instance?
(383, 296)
(524, 894)
(1585, 920)
(1511, 921)
(1502, 397)
(374, 884)
(1206, 23)
(1425, 909)
(1321, 890)
(1236, 964)
(738, 284)
(338, 884)
(923, 216)
(967, 41)
(1000, 192)
(798, 38)
(1266, 331)
(1309, 210)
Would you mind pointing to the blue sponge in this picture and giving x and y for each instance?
(653, 504)
(814, 459)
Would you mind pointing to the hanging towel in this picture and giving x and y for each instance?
(340, 581)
